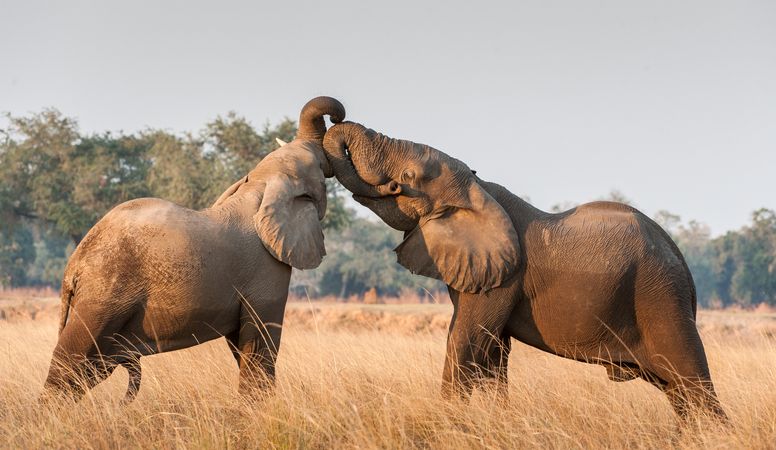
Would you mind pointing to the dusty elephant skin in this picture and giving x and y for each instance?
(152, 276)
(601, 283)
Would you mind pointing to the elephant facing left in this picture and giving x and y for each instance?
(152, 276)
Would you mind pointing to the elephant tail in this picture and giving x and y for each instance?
(67, 293)
(135, 375)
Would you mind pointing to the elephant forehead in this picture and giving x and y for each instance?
(294, 160)
(437, 164)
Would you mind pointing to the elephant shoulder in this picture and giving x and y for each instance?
(601, 230)
(613, 232)
(145, 218)
(606, 207)
(142, 205)
(149, 205)
(602, 218)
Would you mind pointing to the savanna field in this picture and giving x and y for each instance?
(368, 376)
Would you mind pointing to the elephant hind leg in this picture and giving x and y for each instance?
(73, 376)
(85, 353)
(688, 396)
(682, 372)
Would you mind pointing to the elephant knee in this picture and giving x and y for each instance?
(61, 382)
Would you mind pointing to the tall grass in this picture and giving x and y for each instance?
(347, 388)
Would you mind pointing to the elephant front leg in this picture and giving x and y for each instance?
(496, 374)
(476, 352)
(259, 343)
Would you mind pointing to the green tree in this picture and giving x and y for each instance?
(238, 145)
(57, 182)
(361, 258)
(109, 170)
(37, 168)
(180, 171)
(724, 266)
(51, 254)
(694, 240)
(17, 252)
(66, 180)
(755, 252)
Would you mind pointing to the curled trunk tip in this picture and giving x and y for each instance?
(353, 136)
(311, 123)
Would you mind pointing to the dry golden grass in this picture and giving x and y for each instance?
(375, 385)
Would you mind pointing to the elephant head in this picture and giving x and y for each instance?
(294, 196)
(454, 230)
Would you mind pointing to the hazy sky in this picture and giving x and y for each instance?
(673, 103)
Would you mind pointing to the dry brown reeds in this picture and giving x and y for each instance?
(353, 376)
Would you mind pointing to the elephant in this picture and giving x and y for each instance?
(601, 283)
(152, 276)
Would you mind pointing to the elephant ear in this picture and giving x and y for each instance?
(471, 246)
(288, 221)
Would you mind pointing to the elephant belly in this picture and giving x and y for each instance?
(589, 321)
(172, 323)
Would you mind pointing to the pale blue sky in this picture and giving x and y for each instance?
(673, 103)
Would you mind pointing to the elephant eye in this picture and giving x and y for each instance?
(407, 175)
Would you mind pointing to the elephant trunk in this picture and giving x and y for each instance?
(311, 123)
(347, 142)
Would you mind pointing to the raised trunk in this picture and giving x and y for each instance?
(311, 123)
(359, 141)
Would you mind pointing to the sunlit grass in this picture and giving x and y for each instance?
(377, 386)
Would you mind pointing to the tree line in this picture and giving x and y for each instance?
(737, 268)
(57, 182)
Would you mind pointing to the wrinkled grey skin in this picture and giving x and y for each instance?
(153, 277)
(601, 283)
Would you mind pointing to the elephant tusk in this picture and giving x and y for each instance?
(280, 142)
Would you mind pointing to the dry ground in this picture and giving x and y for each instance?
(367, 376)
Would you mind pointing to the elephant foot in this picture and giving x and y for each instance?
(258, 384)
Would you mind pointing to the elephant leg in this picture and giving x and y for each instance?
(259, 341)
(689, 395)
(496, 373)
(84, 354)
(681, 370)
(474, 340)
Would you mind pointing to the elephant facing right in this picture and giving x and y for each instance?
(601, 283)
